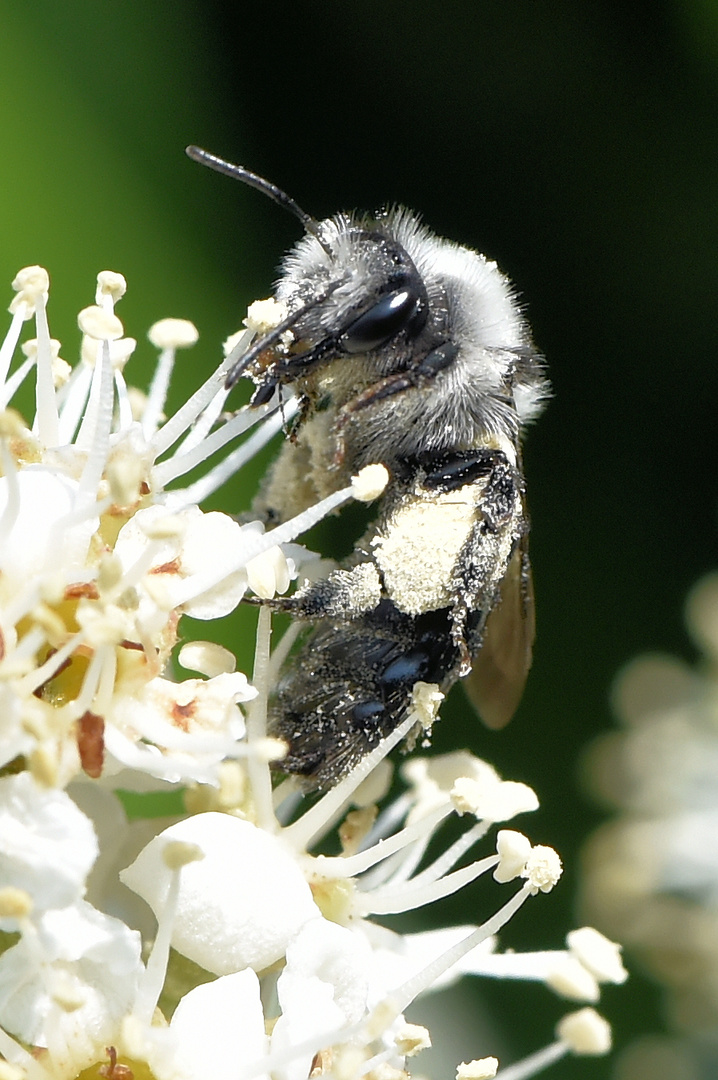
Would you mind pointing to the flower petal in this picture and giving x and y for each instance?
(240, 906)
(47, 845)
(215, 1021)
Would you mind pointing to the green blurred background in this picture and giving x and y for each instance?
(574, 141)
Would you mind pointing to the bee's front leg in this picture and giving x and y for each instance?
(344, 594)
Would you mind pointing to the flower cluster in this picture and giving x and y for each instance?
(221, 944)
(651, 874)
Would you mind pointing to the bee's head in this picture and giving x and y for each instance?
(411, 340)
(354, 293)
(350, 288)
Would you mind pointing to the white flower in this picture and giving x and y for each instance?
(652, 872)
(71, 979)
(257, 895)
(98, 561)
(196, 722)
(74, 973)
(271, 949)
(47, 845)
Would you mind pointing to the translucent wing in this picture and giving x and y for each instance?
(496, 681)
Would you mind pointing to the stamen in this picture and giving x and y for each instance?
(585, 1032)
(18, 1056)
(514, 850)
(94, 433)
(304, 831)
(52, 665)
(257, 769)
(204, 423)
(183, 419)
(212, 480)
(257, 544)
(124, 405)
(582, 1032)
(291, 529)
(543, 868)
(111, 287)
(596, 952)
(16, 380)
(90, 682)
(176, 855)
(534, 1063)
(134, 573)
(7, 349)
(276, 1061)
(392, 901)
(450, 857)
(167, 335)
(180, 463)
(389, 818)
(417, 984)
(282, 650)
(398, 867)
(23, 655)
(480, 1069)
(46, 417)
(373, 1062)
(12, 505)
(370, 483)
(340, 866)
(106, 684)
(74, 396)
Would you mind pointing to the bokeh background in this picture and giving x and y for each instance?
(574, 141)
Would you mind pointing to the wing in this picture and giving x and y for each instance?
(496, 681)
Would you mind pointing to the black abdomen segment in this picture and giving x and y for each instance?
(350, 683)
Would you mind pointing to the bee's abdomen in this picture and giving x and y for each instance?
(350, 684)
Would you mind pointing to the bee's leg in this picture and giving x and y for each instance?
(453, 470)
(345, 594)
(421, 373)
(276, 603)
(480, 569)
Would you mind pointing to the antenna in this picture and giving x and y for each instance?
(238, 172)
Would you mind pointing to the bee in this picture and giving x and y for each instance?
(411, 351)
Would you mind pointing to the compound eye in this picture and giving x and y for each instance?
(381, 322)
